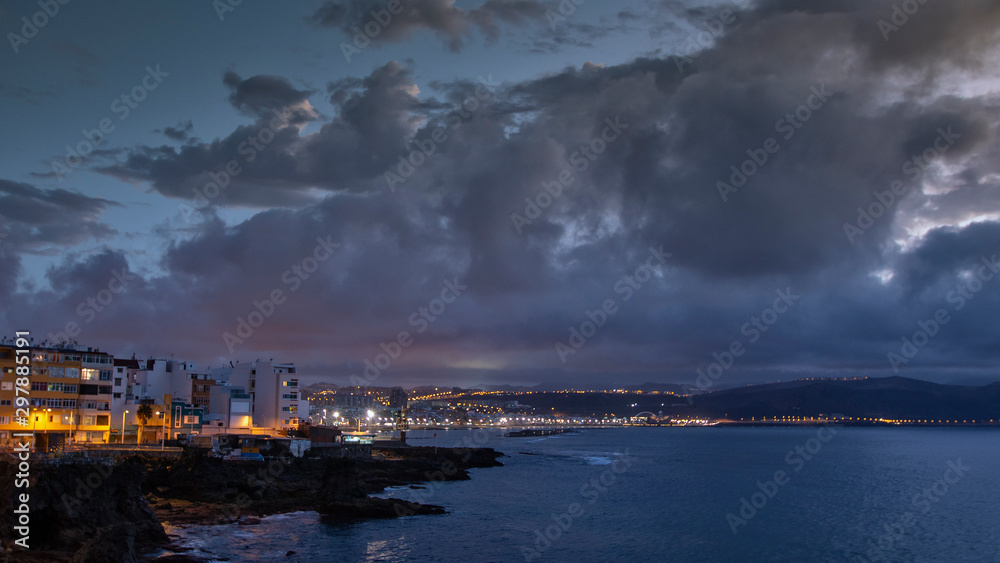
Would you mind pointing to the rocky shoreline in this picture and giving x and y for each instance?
(115, 511)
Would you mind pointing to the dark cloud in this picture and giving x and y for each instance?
(370, 131)
(652, 180)
(179, 133)
(452, 24)
(261, 96)
(46, 221)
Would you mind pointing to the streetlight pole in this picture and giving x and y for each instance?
(123, 426)
(163, 433)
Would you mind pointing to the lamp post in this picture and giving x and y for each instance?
(123, 426)
(370, 415)
(336, 416)
(163, 433)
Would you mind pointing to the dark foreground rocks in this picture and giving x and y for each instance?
(84, 512)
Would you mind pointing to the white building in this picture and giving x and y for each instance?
(274, 391)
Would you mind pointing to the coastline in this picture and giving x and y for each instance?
(122, 517)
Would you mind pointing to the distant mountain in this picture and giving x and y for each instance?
(508, 388)
(890, 398)
(661, 388)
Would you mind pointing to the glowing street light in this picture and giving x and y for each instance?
(123, 426)
(163, 434)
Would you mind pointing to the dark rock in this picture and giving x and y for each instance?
(377, 508)
(114, 543)
(82, 502)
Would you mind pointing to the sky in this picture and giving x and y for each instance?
(463, 192)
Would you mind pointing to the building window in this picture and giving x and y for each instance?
(4, 420)
(89, 420)
(5, 402)
(7, 386)
(89, 375)
(190, 419)
(118, 382)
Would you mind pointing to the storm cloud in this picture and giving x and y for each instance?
(805, 150)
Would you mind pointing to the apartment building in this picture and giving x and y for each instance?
(70, 398)
(273, 389)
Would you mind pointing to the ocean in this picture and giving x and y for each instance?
(674, 494)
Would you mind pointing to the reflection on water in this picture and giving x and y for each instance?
(565, 498)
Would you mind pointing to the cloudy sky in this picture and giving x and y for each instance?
(509, 191)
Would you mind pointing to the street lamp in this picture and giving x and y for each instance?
(163, 434)
(123, 426)
(370, 415)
